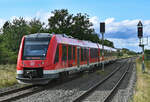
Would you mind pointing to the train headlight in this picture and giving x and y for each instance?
(23, 63)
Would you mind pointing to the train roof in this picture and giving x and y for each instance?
(38, 35)
(64, 39)
(72, 41)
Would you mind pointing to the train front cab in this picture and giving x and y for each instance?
(33, 62)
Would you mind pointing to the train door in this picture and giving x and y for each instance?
(78, 56)
(87, 54)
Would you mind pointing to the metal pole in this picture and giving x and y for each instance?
(143, 66)
(103, 51)
(140, 41)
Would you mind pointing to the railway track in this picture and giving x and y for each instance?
(112, 92)
(16, 94)
(10, 91)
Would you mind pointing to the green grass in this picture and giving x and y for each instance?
(142, 91)
(7, 75)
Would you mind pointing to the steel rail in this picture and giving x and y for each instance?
(34, 90)
(111, 94)
(16, 90)
(86, 93)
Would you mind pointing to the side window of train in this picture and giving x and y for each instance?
(101, 52)
(69, 52)
(82, 55)
(57, 55)
(74, 50)
(85, 54)
(64, 52)
(91, 52)
(96, 53)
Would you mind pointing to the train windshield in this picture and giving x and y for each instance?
(35, 48)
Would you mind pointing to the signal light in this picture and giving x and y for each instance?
(140, 32)
(102, 27)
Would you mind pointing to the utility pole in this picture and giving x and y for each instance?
(140, 36)
(102, 31)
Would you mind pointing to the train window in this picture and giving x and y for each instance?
(97, 53)
(74, 52)
(94, 53)
(85, 54)
(82, 55)
(91, 52)
(64, 53)
(57, 55)
(70, 53)
(101, 52)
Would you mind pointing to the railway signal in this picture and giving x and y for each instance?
(140, 36)
(140, 30)
(102, 27)
(102, 31)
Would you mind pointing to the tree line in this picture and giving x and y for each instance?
(62, 22)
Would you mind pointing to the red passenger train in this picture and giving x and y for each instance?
(44, 56)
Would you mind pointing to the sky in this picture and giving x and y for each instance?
(121, 16)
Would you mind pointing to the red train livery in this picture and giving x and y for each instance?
(44, 56)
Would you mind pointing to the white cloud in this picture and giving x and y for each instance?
(95, 22)
(109, 20)
(113, 26)
(2, 21)
(131, 43)
(43, 16)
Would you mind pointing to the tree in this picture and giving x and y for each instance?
(107, 43)
(81, 27)
(13, 33)
(77, 26)
(36, 26)
(61, 22)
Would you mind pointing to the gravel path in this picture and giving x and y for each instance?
(67, 91)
